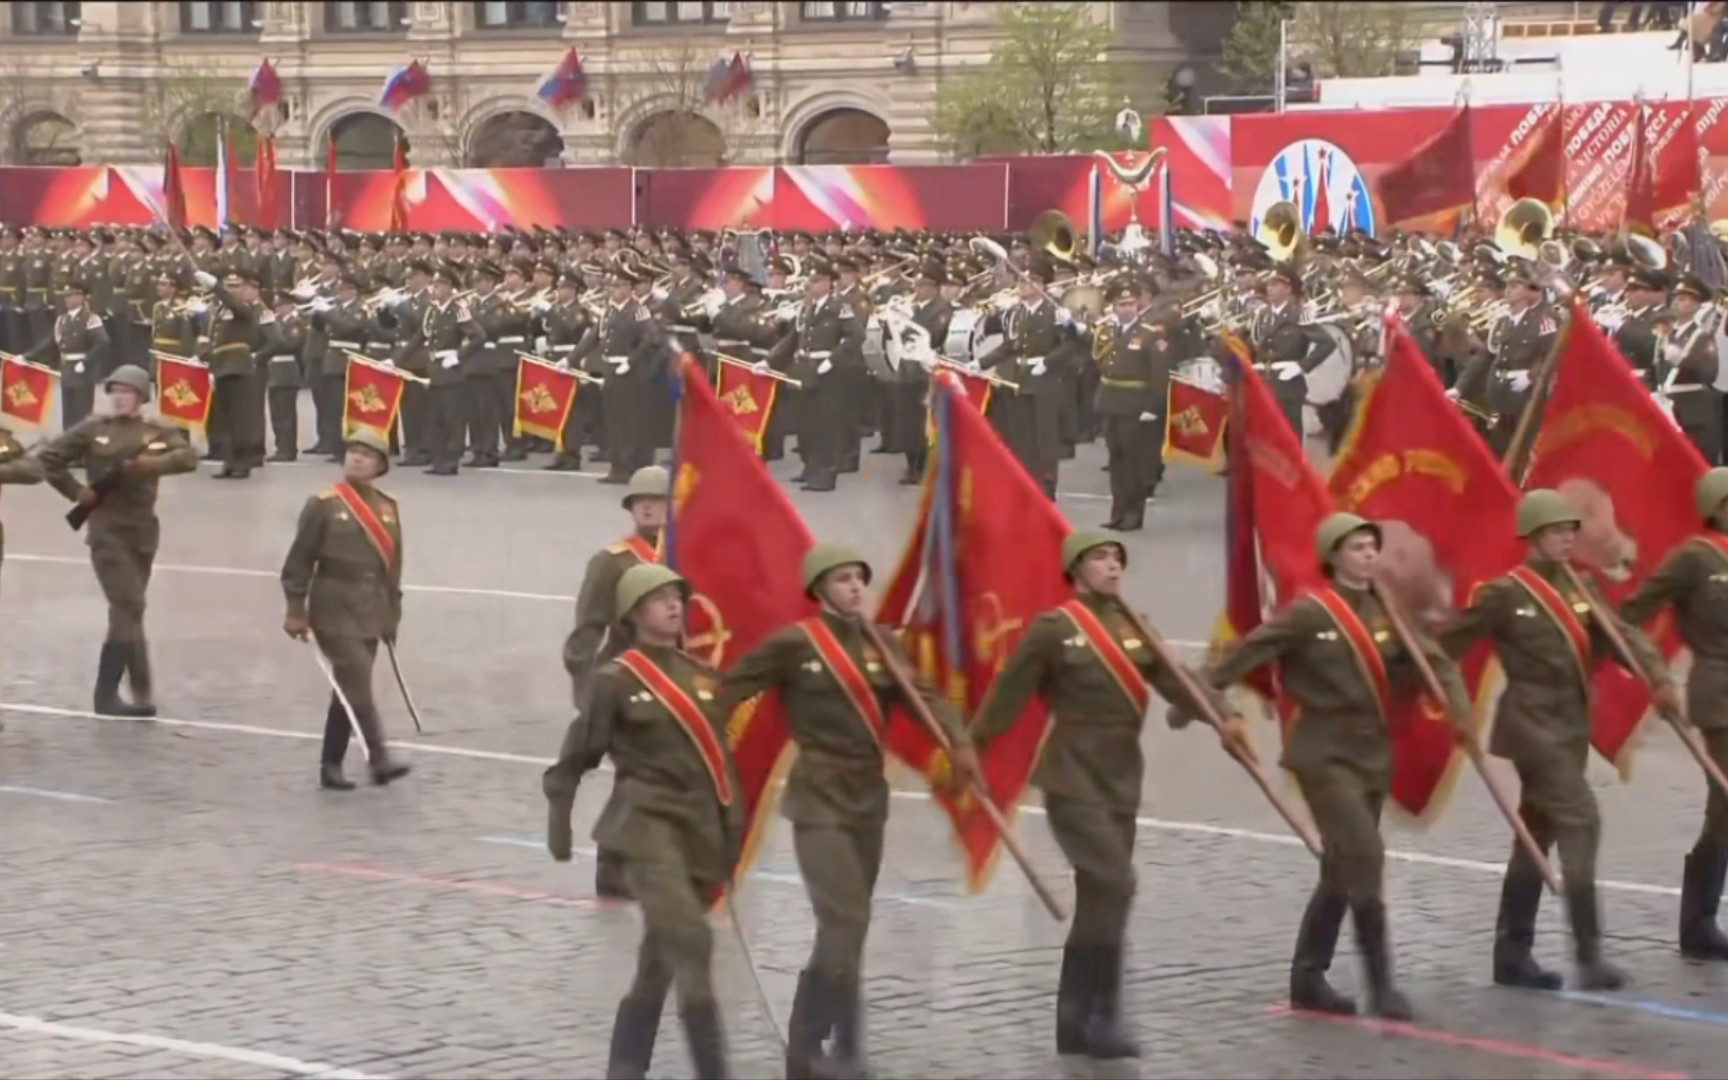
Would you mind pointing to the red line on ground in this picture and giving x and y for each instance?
(453, 884)
(1502, 1047)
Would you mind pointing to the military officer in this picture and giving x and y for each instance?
(14, 332)
(565, 323)
(342, 325)
(595, 638)
(838, 690)
(1425, 320)
(681, 813)
(1500, 380)
(1340, 750)
(239, 328)
(827, 337)
(343, 582)
(401, 319)
(1548, 636)
(1286, 349)
(16, 467)
(124, 456)
(1693, 582)
(630, 347)
(1634, 322)
(1133, 396)
(910, 391)
(1028, 417)
(450, 336)
(79, 345)
(172, 328)
(281, 356)
(1690, 364)
(1091, 770)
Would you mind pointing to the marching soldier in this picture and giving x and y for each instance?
(16, 467)
(124, 455)
(838, 690)
(1133, 395)
(343, 582)
(1028, 417)
(79, 345)
(1097, 673)
(1691, 364)
(281, 356)
(1548, 636)
(1501, 380)
(680, 818)
(1693, 581)
(1329, 644)
(450, 336)
(595, 639)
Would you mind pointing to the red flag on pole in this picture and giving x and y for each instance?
(372, 396)
(331, 217)
(1438, 177)
(173, 189)
(749, 397)
(399, 188)
(545, 394)
(186, 392)
(266, 179)
(26, 390)
(1540, 170)
(1630, 471)
(1448, 515)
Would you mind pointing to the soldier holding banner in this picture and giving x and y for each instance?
(239, 329)
(1341, 658)
(1096, 671)
(909, 394)
(679, 819)
(837, 688)
(124, 456)
(343, 582)
(565, 323)
(629, 346)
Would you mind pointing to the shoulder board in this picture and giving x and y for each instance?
(846, 312)
(618, 549)
(93, 323)
(643, 314)
(328, 493)
(385, 495)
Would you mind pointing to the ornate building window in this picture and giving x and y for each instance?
(218, 17)
(39, 19)
(672, 12)
(844, 11)
(374, 17)
(517, 14)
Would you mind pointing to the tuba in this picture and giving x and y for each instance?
(1280, 232)
(1053, 234)
(1523, 229)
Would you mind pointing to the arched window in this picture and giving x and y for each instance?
(676, 137)
(197, 139)
(844, 137)
(364, 141)
(46, 138)
(513, 140)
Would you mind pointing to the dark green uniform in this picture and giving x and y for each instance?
(1133, 396)
(1030, 357)
(1693, 582)
(79, 346)
(1542, 724)
(16, 467)
(238, 330)
(282, 382)
(678, 829)
(450, 336)
(837, 800)
(131, 454)
(1500, 381)
(631, 346)
(349, 589)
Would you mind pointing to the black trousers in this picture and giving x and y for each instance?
(504, 393)
(908, 412)
(1136, 453)
(76, 401)
(482, 404)
(242, 417)
(827, 431)
(284, 404)
(327, 399)
(413, 420)
(446, 413)
(630, 434)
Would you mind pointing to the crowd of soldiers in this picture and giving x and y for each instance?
(1084, 346)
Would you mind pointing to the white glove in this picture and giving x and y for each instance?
(562, 365)
(760, 367)
(1007, 303)
(1037, 368)
(322, 303)
(1520, 381)
(1453, 393)
(824, 367)
(1673, 353)
(1287, 370)
(388, 361)
(1148, 417)
(622, 369)
(659, 294)
(541, 307)
(204, 278)
(1064, 317)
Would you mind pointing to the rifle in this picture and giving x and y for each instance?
(102, 486)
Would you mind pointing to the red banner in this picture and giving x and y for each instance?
(26, 390)
(372, 396)
(1195, 428)
(545, 394)
(1630, 472)
(186, 389)
(749, 397)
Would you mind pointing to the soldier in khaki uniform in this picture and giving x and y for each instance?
(16, 467)
(653, 710)
(343, 581)
(596, 639)
(1079, 656)
(1693, 582)
(1134, 358)
(1548, 637)
(1340, 752)
(838, 691)
(124, 455)
(79, 346)
(239, 327)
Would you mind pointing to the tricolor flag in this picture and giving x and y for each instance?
(223, 175)
(405, 84)
(565, 84)
(1166, 213)
(264, 89)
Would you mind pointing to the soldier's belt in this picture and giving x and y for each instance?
(822, 354)
(1506, 376)
(565, 348)
(1682, 388)
(346, 344)
(516, 339)
(682, 328)
(731, 343)
(1127, 384)
(618, 359)
(232, 345)
(162, 342)
(73, 356)
(447, 354)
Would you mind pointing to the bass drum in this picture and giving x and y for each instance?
(1202, 371)
(966, 340)
(1328, 381)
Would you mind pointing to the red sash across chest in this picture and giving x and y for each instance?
(1111, 654)
(845, 671)
(376, 531)
(1355, 631)
(689, 716)
(1555, 604)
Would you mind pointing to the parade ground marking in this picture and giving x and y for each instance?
(1664, 1009)
(216, 1051)
(51, 793)
(1498, 1047)
(771, 877)
(1196, 828)
(362, 872)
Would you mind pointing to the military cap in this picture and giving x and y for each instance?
(1413, 283)
(846, 264)
(374, 442)
(1691, 285)
(1288, 274)
(736, 270)
(933, 273)
(1523, 272)
(76, 285)
(825, 557)
(1124, 291)
(1647, 279)
(349, 279)
(488, 269)
(525, 267)
(445, 271)
(420, 266)
(819, 268)
(779, 265)
(1041, 271)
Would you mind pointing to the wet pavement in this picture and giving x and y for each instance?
(180, 900)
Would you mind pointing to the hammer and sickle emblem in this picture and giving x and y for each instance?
(708, 633)
(991, 632)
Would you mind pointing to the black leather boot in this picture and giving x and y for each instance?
(330, 777)
(1073, 1002)
(1594, 973)
(707, 1042)
(808, 1027)
(1700, 898)
(385, 771)
(1515, 934)
(1316, 942)
(609, 880)
(847, 1062)
(1106, 1039)
(110, 666)
(633, 1035)
(138, 677)
(1384, 997)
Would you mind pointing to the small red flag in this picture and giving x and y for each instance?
(371, 397)
(1197, 419)
(26, 390)
(749, 397)
(545, 394)
(187, 390)
(173, 189)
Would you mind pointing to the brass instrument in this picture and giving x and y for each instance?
(1523, 228)
(1646, 253)
(1280, 232)
(1053, 234)
(1085, 302)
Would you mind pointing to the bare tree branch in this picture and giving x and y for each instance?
(680, 127)
(33, 112)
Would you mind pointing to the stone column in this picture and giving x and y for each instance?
(912, 93)
(117, 44)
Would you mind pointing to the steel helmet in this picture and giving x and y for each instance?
(1078, 544)
(1336, 529)
(823, 557)
(131, 376)
(642, 579)
(649, 482)
(1542, 508)
(1712, 492)
(374, 442)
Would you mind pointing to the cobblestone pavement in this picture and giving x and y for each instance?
(180, 900)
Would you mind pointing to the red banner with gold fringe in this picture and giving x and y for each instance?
(27, 390)
(545, 394)
(749, 396)
(1195, 428)
(372, 396)
(186, 390)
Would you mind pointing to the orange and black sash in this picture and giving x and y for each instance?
(1551, 601)
(1355, 631)
(369, 521)
(846, 673)
(1111, 654)
(689, 716)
